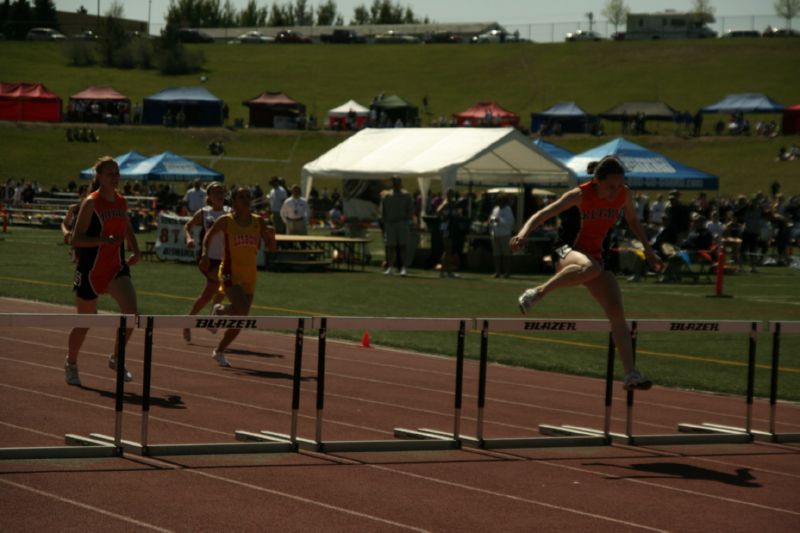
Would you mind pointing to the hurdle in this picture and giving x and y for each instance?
(405, 439)
(771, 435)
(256, 442)
(555, 436)
(78, 446)
(689, 433)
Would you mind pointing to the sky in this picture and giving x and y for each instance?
(507, 12)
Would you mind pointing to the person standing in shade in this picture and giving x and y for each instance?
(206, 216)
(501, 225)
(195, 197)
(242, 232)
(397, 211)
(103, 225)
(277, 195)
(588, 212)
(295, 213)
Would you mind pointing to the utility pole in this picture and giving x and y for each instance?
(149, 5)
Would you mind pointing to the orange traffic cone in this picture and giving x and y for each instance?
(365, 340)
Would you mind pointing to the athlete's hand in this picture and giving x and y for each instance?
(517, 242)
(653, 260)
(134, 258)
(190, 243)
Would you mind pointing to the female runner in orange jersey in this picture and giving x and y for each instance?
(588, 212)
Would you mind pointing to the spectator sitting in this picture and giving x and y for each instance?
(783, 154)
(70, 137)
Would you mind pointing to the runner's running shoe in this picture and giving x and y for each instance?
(528, 298)
(112, 364)
(71, 373)
(635, 380)
(219, 357)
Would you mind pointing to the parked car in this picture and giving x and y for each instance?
(190, 35)
(781, 32)
(395, 37)
(254, 37)
(290, 36)
(443, 37)
(582, 35)
(44, 34)
(733, 34)
(87, 35)
(493, 36)
(343, 37)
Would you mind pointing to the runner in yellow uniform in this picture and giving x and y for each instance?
(243, 232)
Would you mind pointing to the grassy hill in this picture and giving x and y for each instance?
(522, 77)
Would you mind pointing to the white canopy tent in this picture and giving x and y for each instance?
(347, 107)
(480, 156)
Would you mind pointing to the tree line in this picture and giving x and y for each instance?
(218, 14)
(19, 16)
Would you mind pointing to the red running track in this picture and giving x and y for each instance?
(734, 487)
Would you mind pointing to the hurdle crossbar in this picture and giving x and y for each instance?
(406, 439)
(555, 436)
(256, 443)
(77, 446)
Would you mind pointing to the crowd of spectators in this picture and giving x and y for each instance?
(758, 229)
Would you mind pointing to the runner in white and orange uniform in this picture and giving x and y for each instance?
(205, 217)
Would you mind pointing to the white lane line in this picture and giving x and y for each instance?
(676, 489)
(515, 498)
(305, 500)
(92, 508)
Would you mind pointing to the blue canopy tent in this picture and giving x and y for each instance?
(645, 169)
(569, 115)
(198, 105)
(554, 150)
(170, 167)
(745, 103)
(124, 161)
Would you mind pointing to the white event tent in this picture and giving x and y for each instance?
(493, 157)
(351, 106)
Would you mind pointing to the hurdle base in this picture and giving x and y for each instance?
(78, 447)
(762, 436)
(704, 436)
(206, 448)
(415, 441)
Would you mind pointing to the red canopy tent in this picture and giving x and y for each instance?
(791, 120)
(487, 114)
(29, 102)
(274, 110)
(94, 103)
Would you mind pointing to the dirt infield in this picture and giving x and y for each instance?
(369, 391)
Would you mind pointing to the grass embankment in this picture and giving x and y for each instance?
(522, 77)
(34, 266)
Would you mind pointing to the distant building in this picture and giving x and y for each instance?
(669, 24)
(73, 23)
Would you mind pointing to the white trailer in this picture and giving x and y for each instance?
(669, 24)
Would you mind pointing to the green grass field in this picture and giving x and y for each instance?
(523, 77)
(33, 265)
